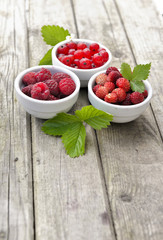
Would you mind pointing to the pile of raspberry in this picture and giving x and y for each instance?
(43, 85)
(112, 87)
(81, 55)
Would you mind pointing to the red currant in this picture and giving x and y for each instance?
(72, 45)
(60, 56)
(105, 55)
(87, 53)
(63, 49)
(81, 45)
(94, 47)
(77, 62)
(71, 51)
(85, 63)
(78, 54)
(66, 60)
(98, 59)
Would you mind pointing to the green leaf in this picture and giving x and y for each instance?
(141, 72)
(54, 34)
(74, 140)
(137, 86)
(59, 124)
(126, 71)
(47, 59)
(94, 117)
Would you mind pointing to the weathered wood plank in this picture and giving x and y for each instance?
(16, 202)
(69, 193)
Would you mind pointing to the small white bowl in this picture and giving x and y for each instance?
(41, 108)
(121, 114)
(83, 74)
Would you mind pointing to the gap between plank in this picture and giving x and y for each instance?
(74, 16)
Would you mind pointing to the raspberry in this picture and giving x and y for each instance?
(79, 54)
(43, 75)
(29, 78)
(98, 59)
(85, 63)
(127, 100)
(40, 91)
(72, 45)
(105, 55)
(136, 97)
(52, 97)
(101, 92)
(94, 47)
(87, 53)
(121, 94)
(101, 79)
(58, 76)
(53, 86)
(113, 76)
(67, 86)
(145, 93)
(63, 49)
(110, 69)
(123, 83)
(27, 90)
(110, 86)
(111, 98)
(81, 45)
(95, 88)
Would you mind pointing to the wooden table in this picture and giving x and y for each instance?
(114, 191)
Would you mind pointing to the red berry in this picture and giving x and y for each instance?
(72, 45)
(29, 78)
(94, 47)
(67, 60)
(71, 52)
(105, 55)
(121, 94)
(145, 93)
(58, 76)
(53, 86)
(93, 65)
(136, 97)
(101, 92)
(85, 63)
(95, 88)
(27, 90)
(111, 98)
(123, 83)
(77, 62)
(127, 100)
(40, 91)
(110, 86)
(87, 53)
(63, 49)
(67, 86)
(98, 59)
(43, 75)
(81, 45)
(110, 69)
(101, 79)
(52, 97)
(113, 76)
(78, 54)
(60, 56)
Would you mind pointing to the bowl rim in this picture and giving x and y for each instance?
(18, 80)
(146, 100)
(54, 50)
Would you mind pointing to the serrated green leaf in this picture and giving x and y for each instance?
(137, 86)
(54, 34)
(95, 118)
(126, 71)
(59, 124)
(47, 59)
(141, 72)
(74, 140)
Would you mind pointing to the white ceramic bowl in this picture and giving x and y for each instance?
(121, 114)
(46, 109)
(83, 74)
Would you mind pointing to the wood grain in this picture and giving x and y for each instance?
(69, 193)
(16, 200)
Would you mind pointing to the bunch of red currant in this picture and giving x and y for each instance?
(81, 55)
